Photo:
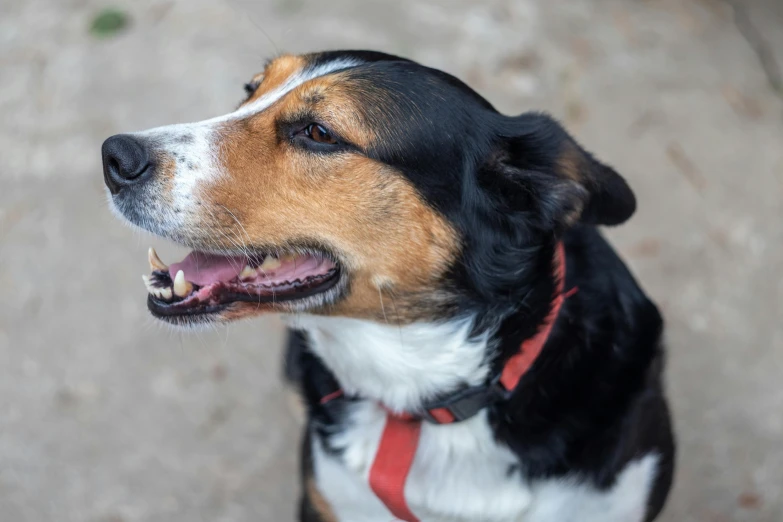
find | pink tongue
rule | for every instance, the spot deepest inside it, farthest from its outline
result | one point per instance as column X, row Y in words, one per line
column 204, row 269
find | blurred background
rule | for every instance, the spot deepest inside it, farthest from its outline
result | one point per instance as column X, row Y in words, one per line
column 106, row 416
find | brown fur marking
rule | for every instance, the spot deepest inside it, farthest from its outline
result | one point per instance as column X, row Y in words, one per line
column 571, row 162
column 393, row 245
column 276, row 73
column 318, row 502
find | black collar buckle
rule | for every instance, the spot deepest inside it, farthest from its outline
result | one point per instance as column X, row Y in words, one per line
column 465, row 403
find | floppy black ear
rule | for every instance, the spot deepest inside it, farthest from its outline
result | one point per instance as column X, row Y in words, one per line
column 566, row 183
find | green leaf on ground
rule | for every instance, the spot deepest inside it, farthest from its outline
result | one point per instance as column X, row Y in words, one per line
column 108, row 22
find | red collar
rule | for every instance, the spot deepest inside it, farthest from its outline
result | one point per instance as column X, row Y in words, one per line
column 400, row 437
column 520, row 362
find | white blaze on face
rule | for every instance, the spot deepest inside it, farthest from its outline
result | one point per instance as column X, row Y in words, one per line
column 193, row 145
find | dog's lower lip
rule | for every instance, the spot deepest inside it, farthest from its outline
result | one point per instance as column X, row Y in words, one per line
column 160, row 308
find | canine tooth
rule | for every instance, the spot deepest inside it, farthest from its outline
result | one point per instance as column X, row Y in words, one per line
column 165, row 293
column 247, row 272
column 270, row 263
column 181, row 286
column 155, row 262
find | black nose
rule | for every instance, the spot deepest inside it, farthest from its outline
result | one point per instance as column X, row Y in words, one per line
column 125, row 161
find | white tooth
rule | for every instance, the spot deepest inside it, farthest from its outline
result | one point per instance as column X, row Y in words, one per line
column 247, row 272
column 155, row 292
column 165, row 293
column 181, row 287
column 155, row 262
column 270, row 263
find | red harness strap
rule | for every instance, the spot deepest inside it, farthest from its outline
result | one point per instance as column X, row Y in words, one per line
column 392, row 463
column 400, row 437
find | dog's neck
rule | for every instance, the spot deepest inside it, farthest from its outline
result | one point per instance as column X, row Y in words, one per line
column 400, row 367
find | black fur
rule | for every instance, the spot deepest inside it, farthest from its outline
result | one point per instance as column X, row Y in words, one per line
column 513, row 187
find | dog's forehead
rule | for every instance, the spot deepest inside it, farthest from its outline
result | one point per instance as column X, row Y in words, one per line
column 285, row 73
column 369, row 97
column 368, row 74
column 279, row 69
column 298, row 69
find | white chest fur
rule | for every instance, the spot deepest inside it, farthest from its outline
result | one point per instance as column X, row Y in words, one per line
column 460, row 473
column 398, row 366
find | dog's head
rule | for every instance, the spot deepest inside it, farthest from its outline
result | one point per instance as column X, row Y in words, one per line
column 357, row 184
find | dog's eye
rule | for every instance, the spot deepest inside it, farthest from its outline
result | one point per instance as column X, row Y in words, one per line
column 251, row 87
column 319, row 134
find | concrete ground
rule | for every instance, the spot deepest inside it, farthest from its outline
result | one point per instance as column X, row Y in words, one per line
column 106, row 416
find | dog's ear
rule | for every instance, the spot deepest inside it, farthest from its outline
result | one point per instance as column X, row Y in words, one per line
column 542, row 166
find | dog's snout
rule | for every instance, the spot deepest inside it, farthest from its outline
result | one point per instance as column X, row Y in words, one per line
column 125, row 161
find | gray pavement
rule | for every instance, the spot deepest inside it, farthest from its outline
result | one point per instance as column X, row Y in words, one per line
column 106, row 416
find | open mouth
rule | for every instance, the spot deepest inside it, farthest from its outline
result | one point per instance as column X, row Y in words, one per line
column 205, row 283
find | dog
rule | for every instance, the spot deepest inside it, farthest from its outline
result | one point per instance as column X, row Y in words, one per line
column 469, row 346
